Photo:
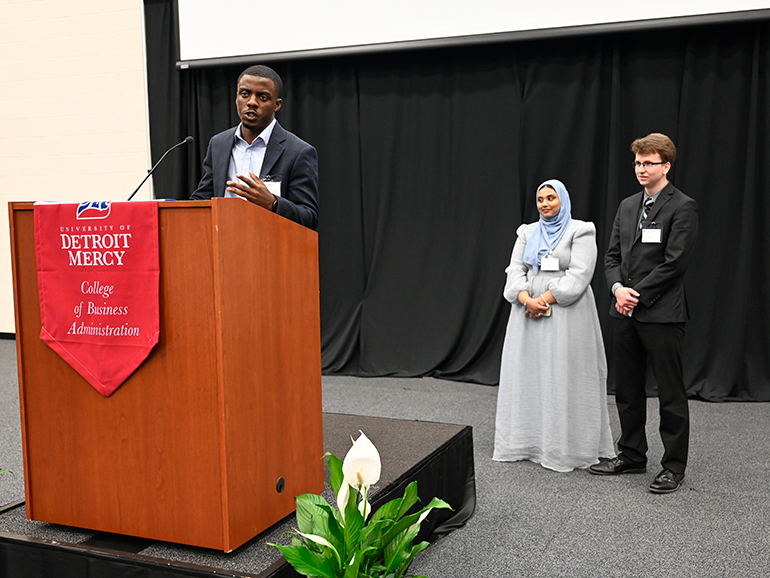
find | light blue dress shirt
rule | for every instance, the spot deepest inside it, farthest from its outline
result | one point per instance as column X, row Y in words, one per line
column 245, row 157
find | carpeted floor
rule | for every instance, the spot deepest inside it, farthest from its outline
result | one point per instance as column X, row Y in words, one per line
column 532, row 522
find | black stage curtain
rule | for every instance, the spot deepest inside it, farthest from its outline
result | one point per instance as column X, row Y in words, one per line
column 429, row 161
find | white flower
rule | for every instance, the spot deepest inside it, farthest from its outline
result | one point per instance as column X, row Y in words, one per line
column 317, row 539
column 421, row 518
column 365, row 508
column 321, row 540
column 361, row 466
column 343, row 497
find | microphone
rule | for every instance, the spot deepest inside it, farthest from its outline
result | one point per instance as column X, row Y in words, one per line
column 188, row 140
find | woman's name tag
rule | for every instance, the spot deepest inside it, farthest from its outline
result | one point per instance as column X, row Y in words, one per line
column 549, row 263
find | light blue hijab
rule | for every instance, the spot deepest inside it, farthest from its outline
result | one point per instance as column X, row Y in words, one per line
column 549, row 231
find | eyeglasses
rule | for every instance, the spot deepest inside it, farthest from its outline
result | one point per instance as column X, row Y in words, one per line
column 647, row 164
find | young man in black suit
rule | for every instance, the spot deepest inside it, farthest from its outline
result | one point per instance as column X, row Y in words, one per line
column 652, row 240
column 239, row 160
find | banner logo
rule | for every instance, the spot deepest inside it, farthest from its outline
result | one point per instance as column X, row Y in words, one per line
column 94, row 210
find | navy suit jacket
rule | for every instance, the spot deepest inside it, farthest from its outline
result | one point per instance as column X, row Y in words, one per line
column 654, row 270
column 286, row 155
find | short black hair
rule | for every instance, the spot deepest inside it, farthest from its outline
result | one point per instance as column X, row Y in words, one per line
column 263, row 71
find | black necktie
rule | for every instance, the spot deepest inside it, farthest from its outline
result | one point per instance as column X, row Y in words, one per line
column 646, row 210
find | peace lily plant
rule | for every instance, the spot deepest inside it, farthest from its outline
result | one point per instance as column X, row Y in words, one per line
column 339, row 542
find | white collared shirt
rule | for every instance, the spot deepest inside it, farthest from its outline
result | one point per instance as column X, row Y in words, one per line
column 245, row 157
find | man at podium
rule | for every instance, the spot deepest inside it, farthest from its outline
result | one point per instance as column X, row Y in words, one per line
column 259, row 160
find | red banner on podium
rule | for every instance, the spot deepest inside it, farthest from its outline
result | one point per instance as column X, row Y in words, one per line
column 98, row 277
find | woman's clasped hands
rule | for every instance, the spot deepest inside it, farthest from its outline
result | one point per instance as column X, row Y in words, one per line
column 534, row 308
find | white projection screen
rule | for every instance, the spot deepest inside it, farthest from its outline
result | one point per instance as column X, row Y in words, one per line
column 211, row 32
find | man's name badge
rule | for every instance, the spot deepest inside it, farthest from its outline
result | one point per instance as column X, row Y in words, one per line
column 274, row 187
column 549, row 263
column 651, row 235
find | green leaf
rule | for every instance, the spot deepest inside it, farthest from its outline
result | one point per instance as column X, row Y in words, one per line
column 310, row 509
column 395, row 531
column 335, row 473
column 373, row 532
column 419, row 548
column 351, row 570
column 331, row 528
column 388, row 510
column 376, row 570
column 308, row 563
column 337, row 515
column 405, row 566
column 311, row 500
column 304, row 543
column 399, row 506
column 367, row 557
column 410, row 499
column 352, row 532
column 407, row 521
column 354, row 522
column 439, row 504
column 316, row 516
column 397, row 551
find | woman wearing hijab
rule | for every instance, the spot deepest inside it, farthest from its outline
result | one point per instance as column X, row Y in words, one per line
column 552, row 401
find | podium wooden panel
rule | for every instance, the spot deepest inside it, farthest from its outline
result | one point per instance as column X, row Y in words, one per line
column 191, row 447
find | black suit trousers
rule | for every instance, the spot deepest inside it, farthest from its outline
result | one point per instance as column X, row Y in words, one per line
column 660, row 344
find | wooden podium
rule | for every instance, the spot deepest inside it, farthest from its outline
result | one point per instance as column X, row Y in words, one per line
column 210, row 439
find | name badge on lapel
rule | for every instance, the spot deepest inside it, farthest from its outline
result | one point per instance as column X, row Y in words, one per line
column 651, row 235
column 273, row 184
column 549, row 262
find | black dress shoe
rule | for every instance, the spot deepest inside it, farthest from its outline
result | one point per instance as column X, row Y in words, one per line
column 666, row 482
column 617, row 466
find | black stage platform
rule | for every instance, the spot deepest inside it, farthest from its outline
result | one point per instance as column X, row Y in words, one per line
column 438, row 456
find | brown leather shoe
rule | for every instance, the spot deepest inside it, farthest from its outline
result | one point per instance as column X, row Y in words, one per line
column 666, row 482
column 617, row 466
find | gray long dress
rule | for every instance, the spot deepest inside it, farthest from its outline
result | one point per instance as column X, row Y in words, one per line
column 552, row 401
